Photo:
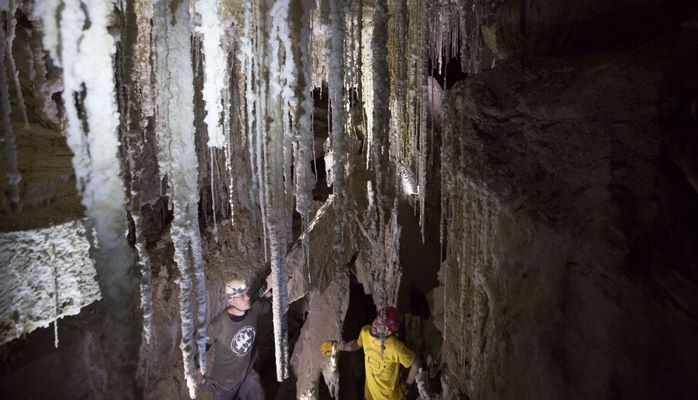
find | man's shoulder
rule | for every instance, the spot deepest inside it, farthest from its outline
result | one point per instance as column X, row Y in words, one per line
column 223, row 313
column 262, row 306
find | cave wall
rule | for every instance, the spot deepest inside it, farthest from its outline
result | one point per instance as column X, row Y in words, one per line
column 557, row 281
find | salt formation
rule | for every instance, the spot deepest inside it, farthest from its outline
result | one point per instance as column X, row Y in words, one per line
column 469, row 218
column 12, row 173
column 276, row 200
column 11, row 23
column 33, row 283
column 177, row 159
column 86, row 54
column 422, row 380
column 303, row 127
column 215, row 77
column 135, row 141
column 336, row 89
column 375, row 57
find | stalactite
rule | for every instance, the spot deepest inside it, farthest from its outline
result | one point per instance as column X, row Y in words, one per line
column 275, row 196
column 146, row 286
column 288, row 70
column 399, row 138
column 228, row 149
column 422, row 381
column 215, row 76
column 214, row 211
column 10, row 148
column 367, row 55
column 249, row 65
column 176, row 157
column 56, row 302
column 86, row 53
column 142, row 65
column 381, row 111
column 392, row 263
column 135, row 141
column 303, row 126
column 336, row 89
column 261, row 28
column 11, row 23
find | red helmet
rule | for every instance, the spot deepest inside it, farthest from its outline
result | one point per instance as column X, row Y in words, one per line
column 392, row 319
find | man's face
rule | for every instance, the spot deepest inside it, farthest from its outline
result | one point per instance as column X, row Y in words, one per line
column 240, row 301
column 379, row 329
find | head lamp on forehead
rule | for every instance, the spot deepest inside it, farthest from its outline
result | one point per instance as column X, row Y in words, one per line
column 235, row 287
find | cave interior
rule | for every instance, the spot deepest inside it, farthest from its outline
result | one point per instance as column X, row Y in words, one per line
column 518, row 177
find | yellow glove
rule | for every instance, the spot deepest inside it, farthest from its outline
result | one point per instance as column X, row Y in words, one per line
column 326, row 347
column 403, row 391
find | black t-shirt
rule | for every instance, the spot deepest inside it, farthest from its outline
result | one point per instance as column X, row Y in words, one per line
column 234, row 344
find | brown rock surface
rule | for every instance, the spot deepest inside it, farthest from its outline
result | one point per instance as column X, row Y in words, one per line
column 552, row 168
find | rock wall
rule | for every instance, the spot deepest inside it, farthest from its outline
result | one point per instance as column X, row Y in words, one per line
column 553, row 199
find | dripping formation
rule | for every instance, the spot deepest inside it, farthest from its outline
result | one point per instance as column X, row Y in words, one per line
column 374, row 66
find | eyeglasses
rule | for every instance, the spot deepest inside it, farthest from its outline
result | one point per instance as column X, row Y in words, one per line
column 237, row 296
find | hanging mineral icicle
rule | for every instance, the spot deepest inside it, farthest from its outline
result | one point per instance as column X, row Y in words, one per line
column 336, row 89
column 276, row 199
column 135, row 141
column 10, row 150
column 86, row 55
column 303, row 128
column 9, row 41
column 211, row 30
column 177, row 159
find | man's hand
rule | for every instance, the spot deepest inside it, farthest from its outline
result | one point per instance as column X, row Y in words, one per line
column 200, row 378
column 406, row 389
column 326, row 347
column 403, row 391
column 264, row 292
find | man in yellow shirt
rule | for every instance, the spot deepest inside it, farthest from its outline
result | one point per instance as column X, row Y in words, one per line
column 382, row 364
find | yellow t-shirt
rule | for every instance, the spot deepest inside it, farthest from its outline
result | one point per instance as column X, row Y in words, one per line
column 382, row 372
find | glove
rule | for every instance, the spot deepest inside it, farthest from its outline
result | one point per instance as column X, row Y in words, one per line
column 403, row 391
column 326, row 347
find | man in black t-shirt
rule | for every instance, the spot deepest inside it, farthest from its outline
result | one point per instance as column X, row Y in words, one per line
column 233, row 333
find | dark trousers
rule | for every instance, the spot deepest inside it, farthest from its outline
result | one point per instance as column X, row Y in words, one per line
column 249, row 389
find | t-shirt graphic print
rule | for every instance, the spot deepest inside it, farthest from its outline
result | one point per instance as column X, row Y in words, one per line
column 242, row 341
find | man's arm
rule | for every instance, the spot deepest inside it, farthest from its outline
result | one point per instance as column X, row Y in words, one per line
column 326, row 347
column 349, row 346
column 414, row 370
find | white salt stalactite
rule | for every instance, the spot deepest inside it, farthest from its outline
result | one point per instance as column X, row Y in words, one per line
column 337, row 105
column 146, row 286
column 212, row 157
column 367, row 55
column 56, row 302
column 10, row 148
column 287, row 79
column 86, row 55
column 142, row 64
column 247, row 56
column 304, row 179
column 9, row 45
column 228, row 149
column 392, row 251
column 336, row 88
column 215, row 76
column 381, row 110
column 145, row 90
column 275, row 196
column 261, row 29
column 177, row 159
